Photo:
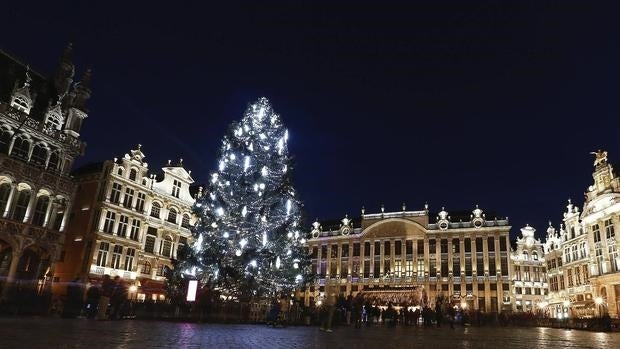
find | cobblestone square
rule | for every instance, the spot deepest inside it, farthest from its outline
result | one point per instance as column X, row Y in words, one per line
column 58, row 333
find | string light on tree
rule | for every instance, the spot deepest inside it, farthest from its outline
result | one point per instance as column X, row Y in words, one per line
column 253, row 197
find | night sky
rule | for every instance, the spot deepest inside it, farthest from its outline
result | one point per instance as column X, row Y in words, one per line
column 457, row 104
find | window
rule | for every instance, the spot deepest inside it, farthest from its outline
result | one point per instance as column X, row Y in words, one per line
column 577, row 276
column 21, row 147
column 409, row 247
column 596, row 232
column 397, row 268
column 609, row 229
column 185, row 224
column 613, row 257
column 518, row 273
column 140, row 202
column 456, row 246
column 569, row 276
column 39, row 155
column 133, row 174
column 366, row 249
column 503, row 246
column 377, row 248
column 575, row 255
column 166, row 248
column 534, row 256
column 567, row 255
column 116, row 256
column 323, row 251
column 467, row 245
column 5, row 191
column 345, row 250
column 398, row 248
column 586, row 275
column 127, row 201
column 526, row 274
column 366, row 269
column 172, row 215
column 468, row 269
column 149, row 244
column 432, row 246
column 526, row 255
column 387, row 249
column 504, row 265
column 492, row 268
column 102, row 255
column 377, row 271
column 356, row 249
column 582, row 250
column 409, row 269
column 479, row 266
column 120, row 171
column 444, row 245
column 162, row 270
column 122, row 226
column 176, row 188
column 40, row 210
column 129, row 257
column 52, row 164
column 491, row 244
column 444, row 267
column 5, row 139
column 146, row 268
column 108, row 225
column 420, row 247
column 334, row 251
column 420, row 267
column 433, row 267
column 21, row 204
column 456, row 267
column 155, row 208
column 478, row 244
column 135, row 230
column 115, row 194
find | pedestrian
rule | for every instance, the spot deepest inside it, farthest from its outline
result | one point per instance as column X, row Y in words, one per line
column 104, row 298
column 330, row 304
column 357, row 306
column 92, row 300
column 118, row 298
column 73, row 303
column 348, row 305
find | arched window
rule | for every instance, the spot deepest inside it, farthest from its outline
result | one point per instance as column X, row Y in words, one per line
column 54, row 161
column 5, row 191
column 146, row 268
column 166, row 248
column 21, row 204
column 20, row 103
column 534, row 256
column 40, row 210
column 133, row 174
column 144, row 181
column 119, row 171
column 21, row 147
column 54, row 119
column 172, row 215
column 185, row 221
column 525, row 255
column 39, row 155
column 155, row 208
column 5, row 140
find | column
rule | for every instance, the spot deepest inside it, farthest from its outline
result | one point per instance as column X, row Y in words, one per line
column 65, row 217
column 381, row 258
column 9, row 202
column 372, row 259
column 102, row 219
column 31, row 203
column 52, row 219
column 318, row 259
column 339, row 259
column 362, row 252
column 48, row 212
column 328, row 261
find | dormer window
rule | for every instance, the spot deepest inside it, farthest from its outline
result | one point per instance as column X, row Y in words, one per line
column 19, row 102
column 119, row 171
column 133, row 174
column 176, row 188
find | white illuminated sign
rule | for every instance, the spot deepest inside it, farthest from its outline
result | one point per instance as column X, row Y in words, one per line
column 191, row 290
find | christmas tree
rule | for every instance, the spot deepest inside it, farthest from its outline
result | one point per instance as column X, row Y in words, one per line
column 248, row 238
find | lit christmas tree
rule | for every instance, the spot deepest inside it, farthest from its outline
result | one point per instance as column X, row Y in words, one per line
column 248, row 239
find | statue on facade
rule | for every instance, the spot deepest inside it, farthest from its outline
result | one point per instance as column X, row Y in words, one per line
column 600, row 157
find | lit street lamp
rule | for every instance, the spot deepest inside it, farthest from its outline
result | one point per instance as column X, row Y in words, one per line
column 598, row 301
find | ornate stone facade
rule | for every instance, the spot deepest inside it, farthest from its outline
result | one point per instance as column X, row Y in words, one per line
column 583, row 259
column 40, row 121
column 529, row 276
column 128, row 222
column 404, row 258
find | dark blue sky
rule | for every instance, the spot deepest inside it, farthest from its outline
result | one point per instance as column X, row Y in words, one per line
column 454, row 103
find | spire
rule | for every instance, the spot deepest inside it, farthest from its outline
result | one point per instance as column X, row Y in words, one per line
column 21, row 98
column 64, row 73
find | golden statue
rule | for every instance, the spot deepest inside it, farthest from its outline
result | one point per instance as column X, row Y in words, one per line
column 600, row 157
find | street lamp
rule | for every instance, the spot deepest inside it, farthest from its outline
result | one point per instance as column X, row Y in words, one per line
column 598, row 301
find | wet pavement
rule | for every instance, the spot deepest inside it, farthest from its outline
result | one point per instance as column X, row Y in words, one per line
column 81, row 333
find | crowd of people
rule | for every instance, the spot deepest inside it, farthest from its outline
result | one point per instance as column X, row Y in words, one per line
column 104, row 300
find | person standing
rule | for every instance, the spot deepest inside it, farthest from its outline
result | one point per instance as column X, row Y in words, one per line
column 356, row 309
column 330, row 304
column 104, row 299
